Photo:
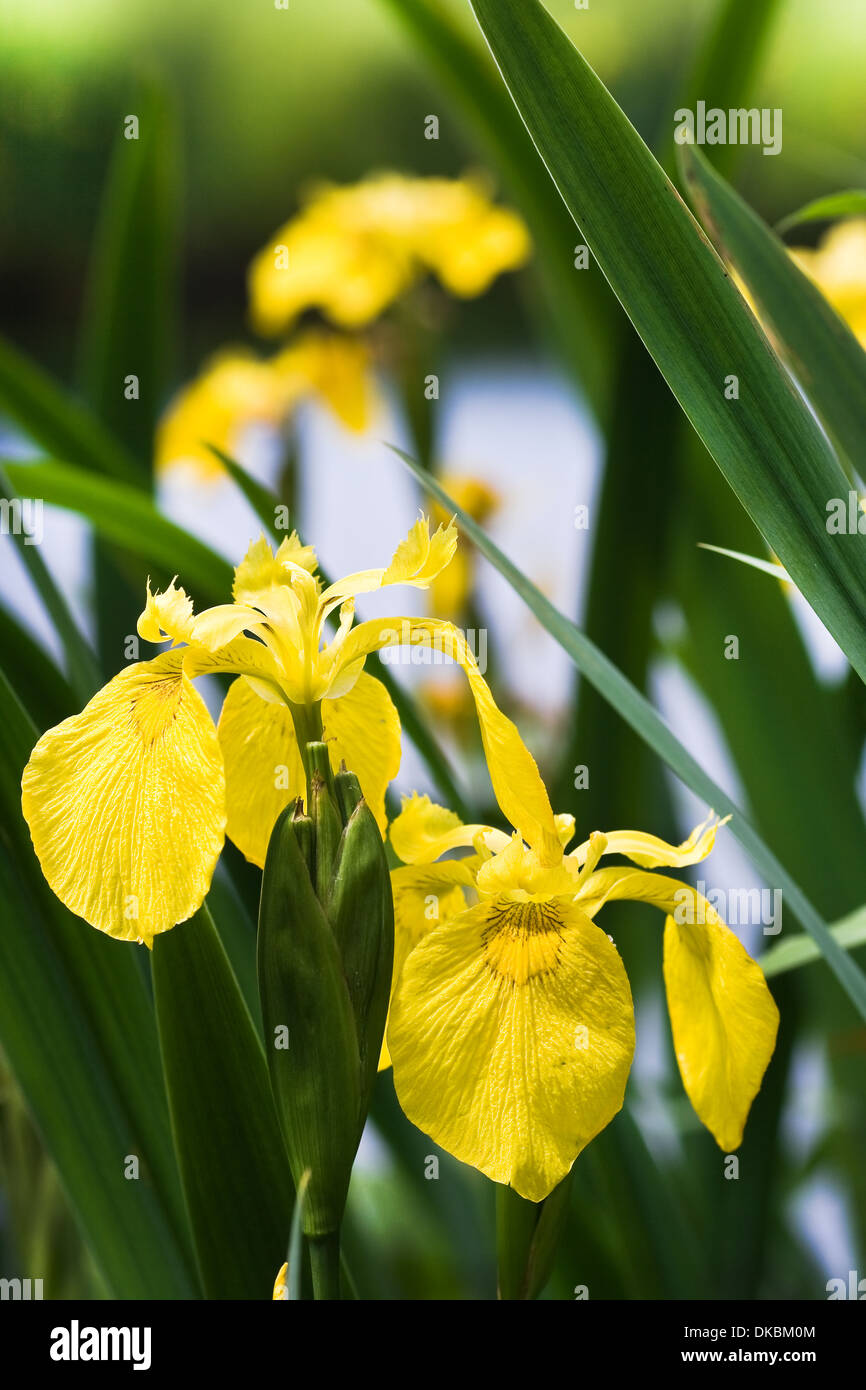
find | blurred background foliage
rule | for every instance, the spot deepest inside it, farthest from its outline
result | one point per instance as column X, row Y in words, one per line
column 266, row 104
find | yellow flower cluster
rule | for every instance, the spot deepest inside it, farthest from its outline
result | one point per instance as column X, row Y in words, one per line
column 352, row 251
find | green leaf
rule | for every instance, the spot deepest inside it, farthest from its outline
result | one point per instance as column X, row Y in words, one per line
column 766, row 566
column 851, row 203
column 77, row 1026
column 636, row 710
column 127, row 516
column 81, row 665
column 56, row 420
column 577, row 303
column 795, row 951
column 129, row 313
column 822, row 351
column 42, row 689
column 232, row 1162
column 691, row 318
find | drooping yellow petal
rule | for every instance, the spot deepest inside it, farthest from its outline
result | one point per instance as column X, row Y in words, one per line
column 362, row 728
column 423, row 831
column 424, row 897
column 724, row 1022
column 517, row 784
column 650, row 852
column 126, row 802
column 512, row 1035
column 263, row 768
column 723, row 1016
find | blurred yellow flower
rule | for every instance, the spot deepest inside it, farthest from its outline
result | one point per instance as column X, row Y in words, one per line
column 281, row 1287
column 237, row 389
column 352, row 250
column 512, row 1027
column 452, row 589
column 838, row 268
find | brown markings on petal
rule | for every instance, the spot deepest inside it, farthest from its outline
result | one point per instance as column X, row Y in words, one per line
column 522, row 940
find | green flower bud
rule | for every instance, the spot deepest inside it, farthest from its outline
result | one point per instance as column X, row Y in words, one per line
column 325, row 956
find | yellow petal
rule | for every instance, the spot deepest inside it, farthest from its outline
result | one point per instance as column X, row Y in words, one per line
column 512, row 1035
column 723, row 1016
column 424, row 897
column 515, row 777
column 126, row 803
column 363, row 729
column 281, row 1288
column 724, row 1022
column 167, row 615
column 263, row 768
column 423, row 831
column 650, row 852
column 421, row 557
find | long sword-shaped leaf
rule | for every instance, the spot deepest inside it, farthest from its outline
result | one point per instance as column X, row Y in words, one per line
column 77, row 1026
column 691, row 318
column 129, row 314
column 81, row 666
column 800, row 950
column 56, row 420
column 636, row 710
column 233, row 1165
column 126, row 515
column 822, row 351
column 577, row 302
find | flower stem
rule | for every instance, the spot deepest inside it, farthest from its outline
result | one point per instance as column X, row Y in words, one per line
column 325, row 1266
column 516, row 1220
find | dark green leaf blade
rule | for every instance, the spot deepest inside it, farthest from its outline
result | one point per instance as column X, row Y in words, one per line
column 77, row 1026
column 691, row 318
column 128, row 326
column 233, row 1165
column 127, row 516
column 55, row 420
column 822, row 351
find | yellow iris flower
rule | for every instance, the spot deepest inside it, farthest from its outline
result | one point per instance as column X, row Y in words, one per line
column 128, row 802
column 237, row 389
column 512, row 1026
column 353, row 250
column 838, row 268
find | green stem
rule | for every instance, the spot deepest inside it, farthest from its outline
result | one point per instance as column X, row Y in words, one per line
column 307, row 720
column 516, row 1219
column 325, row 1266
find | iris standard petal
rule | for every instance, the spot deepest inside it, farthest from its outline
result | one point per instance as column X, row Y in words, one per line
column 512, row 1035
column 126, row 802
